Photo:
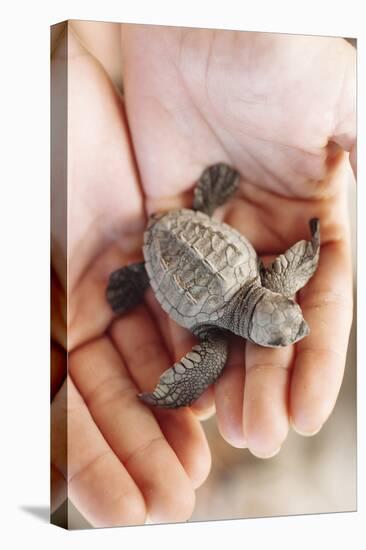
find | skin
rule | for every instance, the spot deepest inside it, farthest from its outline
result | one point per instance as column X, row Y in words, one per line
column 279, row 108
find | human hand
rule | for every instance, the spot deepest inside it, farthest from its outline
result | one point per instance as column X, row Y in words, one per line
column 176, row 133
column 124, row 463
column 280, row 109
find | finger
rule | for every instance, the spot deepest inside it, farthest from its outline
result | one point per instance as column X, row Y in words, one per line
column 131, row 430
column 104, row 213
column 320, row 357
column 229, row 395
column 98, row 484
column 103, row 42
column 265, row 413
column 204, row 408
column 143, row 351
column 100, row 158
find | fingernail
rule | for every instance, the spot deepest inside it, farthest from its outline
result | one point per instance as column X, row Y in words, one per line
column 205, row 414
column 307, row 433
column 238, row 443
column 264, row 455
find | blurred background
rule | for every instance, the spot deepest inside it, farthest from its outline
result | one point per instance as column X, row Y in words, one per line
column 309, row 475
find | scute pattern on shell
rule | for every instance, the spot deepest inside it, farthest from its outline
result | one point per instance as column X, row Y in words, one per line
column 196, row 264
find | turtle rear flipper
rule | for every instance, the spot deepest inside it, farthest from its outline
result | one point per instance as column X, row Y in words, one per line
column 291, row 271
column 215, row 186
column 183, row 383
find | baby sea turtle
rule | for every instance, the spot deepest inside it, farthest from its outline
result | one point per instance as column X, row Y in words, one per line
column 208, row 278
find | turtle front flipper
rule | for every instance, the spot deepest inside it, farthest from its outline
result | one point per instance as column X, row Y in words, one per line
column 185, row 381
column 215, row 186
column 291, row 271
column 126, row 287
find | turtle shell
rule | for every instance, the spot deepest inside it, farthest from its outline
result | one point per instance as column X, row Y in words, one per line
column 196, row 264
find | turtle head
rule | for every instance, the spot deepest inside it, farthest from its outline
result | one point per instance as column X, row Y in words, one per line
column 277, row 321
